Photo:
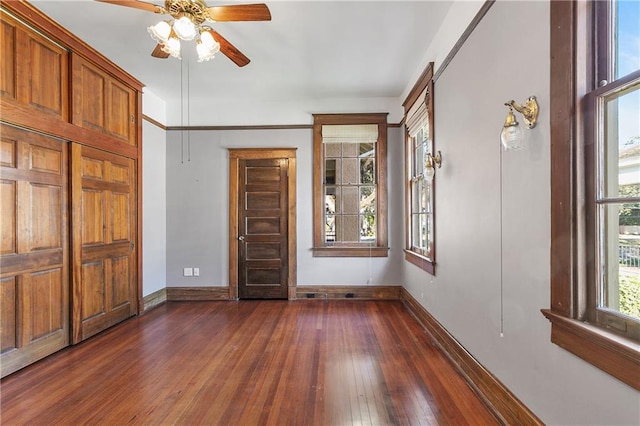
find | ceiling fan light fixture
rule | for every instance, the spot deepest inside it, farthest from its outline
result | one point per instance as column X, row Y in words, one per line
column 160, row 32
column 185, row 28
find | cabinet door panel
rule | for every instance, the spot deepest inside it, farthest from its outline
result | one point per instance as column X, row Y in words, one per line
column 8, row 310
column 121, row 120
column 8, row 200
column 33, row 70
column 8, row 44
column 93, row 291
column 46, row 87
column 34, row 277
column 93, row 211
column 103, row 203
column 45, row 222
column 89, row 89
column 45, row 289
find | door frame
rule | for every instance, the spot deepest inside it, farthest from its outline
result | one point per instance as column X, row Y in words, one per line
column 235, row 155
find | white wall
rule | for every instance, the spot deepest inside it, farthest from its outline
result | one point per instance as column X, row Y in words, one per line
column 197, row 210
column 493, row 264
column 154, row 196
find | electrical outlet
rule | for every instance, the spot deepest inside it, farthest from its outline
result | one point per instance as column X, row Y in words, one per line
column 196, row 272
column 187, row 272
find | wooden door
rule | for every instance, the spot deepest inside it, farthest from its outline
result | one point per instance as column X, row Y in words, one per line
column 104, row 284
column 34, row 275
column 262, row 219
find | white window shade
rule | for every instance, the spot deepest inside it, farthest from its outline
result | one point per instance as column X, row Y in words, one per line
column 350, row 133
column 418, row 115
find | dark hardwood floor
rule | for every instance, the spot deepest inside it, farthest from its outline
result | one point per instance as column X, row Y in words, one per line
column 249, row 363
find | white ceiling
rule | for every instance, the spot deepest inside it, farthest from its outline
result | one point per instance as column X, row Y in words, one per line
column 322, row 55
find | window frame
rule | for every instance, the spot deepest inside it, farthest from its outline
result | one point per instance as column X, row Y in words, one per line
column 571, row 79
column 352, row 249
column 425, row 261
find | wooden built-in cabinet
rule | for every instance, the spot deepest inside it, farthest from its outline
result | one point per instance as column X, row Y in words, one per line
column 102, row 103
column 70, row 152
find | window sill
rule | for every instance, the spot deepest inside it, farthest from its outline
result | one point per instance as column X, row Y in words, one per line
column 420, row 261
column 616, row 355
column 341, row 251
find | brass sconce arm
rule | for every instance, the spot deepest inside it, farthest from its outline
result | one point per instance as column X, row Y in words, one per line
column 433, row 160
column 529, row 110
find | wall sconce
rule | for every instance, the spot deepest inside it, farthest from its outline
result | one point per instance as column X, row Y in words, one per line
column 511, row 136
column 430, row 163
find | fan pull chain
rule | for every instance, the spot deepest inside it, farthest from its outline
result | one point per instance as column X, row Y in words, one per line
column 181, row 116
column 188, row 112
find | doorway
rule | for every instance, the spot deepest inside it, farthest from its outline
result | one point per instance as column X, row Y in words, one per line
column 262, row 223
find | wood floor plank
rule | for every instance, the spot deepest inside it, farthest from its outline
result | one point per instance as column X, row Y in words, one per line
column 249, row 363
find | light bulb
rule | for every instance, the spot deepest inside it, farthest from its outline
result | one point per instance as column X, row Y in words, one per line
column 185, row 29
column 160, row 32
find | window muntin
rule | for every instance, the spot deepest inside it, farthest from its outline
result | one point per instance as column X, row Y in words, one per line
column 350, row 192
column 420, row 192
column 350, row 185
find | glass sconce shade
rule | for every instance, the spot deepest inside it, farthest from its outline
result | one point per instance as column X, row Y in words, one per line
column 429, row 172
column 511, row 135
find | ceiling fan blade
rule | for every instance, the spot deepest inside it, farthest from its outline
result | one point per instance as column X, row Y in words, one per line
column 142, row 5
column 240, row 12
column 229, row 50
column 159, row 53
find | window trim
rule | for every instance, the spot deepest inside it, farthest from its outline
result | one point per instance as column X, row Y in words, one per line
column 571, row 42
column 320, row 248
column 425, row 81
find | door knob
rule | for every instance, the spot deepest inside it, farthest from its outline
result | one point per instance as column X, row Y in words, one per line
column 241, row 238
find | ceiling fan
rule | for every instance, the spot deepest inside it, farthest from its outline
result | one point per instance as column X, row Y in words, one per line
column 189, row 17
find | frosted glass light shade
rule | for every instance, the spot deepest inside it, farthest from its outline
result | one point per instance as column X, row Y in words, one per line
column 511, row 137
column 185, row 29
column 172, row 47
column 204, row 53
column 429, row 172
column 207, row 39
column 160, row 32
column 207, row 47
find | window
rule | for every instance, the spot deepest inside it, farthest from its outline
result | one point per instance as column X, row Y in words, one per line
column 419, row 185
column 350, row 194
column 613, row 131
column 595, row 158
